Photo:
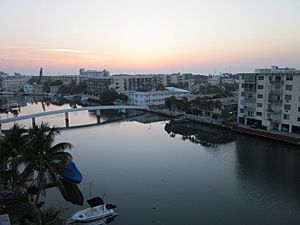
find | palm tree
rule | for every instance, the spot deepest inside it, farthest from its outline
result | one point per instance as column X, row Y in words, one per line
column 44, row 159
column 49, row 216
column 12, row 145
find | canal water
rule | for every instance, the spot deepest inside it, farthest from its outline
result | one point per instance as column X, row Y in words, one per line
column 157, row 172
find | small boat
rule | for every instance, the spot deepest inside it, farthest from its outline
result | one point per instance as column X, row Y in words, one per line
column 181, row 118
column 71, row 173
column 98, row 210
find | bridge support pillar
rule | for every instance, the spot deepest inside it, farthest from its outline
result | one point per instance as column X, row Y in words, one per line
column 33, row 122
column 279, row 126
column 98, row 113
column 67, row 119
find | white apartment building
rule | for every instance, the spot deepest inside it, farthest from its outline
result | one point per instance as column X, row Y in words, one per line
column 152, row 98
column 13, row 83
column 28, row 88
column 228, row 80
column 214, row 80
column 270, row 99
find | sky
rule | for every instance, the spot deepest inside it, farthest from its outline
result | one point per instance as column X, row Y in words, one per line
column 136, row 36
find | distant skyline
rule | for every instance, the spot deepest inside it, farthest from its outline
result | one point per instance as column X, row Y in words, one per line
column 131, row 36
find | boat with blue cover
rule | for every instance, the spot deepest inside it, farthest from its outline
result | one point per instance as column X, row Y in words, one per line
column 71, row 173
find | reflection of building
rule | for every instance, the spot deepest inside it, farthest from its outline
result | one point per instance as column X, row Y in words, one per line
column 147, row 118
column 270, row 98
column 269, row 166
column 150, row 98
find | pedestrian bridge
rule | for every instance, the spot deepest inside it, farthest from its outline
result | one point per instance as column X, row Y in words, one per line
column 67, row 111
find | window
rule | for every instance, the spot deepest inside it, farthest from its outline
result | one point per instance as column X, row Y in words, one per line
column 243, row 93
column 242, row 102
column 250, row 113
column 288, row 87
column 260, row 87
column 261, row 78
column 287, row 107
column 242, row 110
column 286, row 116
column 298, row 119
column 288, row 97
column 298, row 109
column 289, row 77
column 259, row 105
column 259, row 113
column 260, row 96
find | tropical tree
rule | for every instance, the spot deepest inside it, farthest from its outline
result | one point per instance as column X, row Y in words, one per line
column 12, row 145
column 44, row 159
column 49, row 216
column 108, row 97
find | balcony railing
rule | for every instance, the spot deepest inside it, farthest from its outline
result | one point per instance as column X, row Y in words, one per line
column 275, row 101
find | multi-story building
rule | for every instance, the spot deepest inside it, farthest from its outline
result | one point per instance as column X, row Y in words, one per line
column 93, row 73
column 270, row 98
column 144, row 81
column 13, row 83
column 152, row 98
column 98, row 85
column 214, row 80
column 66, row 79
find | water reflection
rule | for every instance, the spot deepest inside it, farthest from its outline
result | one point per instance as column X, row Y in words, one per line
column 269, row 166
column 208, row 136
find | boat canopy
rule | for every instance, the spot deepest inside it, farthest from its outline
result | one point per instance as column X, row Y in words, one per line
column 95, row 201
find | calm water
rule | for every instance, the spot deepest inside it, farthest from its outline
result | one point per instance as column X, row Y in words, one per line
column 159, row 173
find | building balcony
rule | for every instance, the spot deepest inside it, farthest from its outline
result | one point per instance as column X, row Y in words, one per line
column 275, row 101
column 274, row 112
column 276, row 82
column 276, row 92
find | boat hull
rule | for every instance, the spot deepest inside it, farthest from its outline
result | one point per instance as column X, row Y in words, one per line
column 94, row 213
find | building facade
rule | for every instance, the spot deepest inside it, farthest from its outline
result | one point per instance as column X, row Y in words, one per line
column 66, row 79
column 270, row 99
column 153, row 98
column 13, row 83
column 93, row 73
column 126, row 82
column 96, row 86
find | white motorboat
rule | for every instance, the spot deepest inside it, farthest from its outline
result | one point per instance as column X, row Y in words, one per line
column 98, row 210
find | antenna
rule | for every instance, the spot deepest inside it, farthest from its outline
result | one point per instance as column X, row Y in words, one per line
column 91, row 189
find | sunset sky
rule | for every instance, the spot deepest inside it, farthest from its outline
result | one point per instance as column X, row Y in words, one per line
column 136, row 36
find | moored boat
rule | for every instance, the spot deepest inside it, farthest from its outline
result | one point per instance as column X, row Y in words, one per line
column 71, row 173
column 98, row 210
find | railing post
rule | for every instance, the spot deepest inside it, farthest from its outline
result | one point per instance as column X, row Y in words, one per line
column 67, row 119
column 33, row 122
column 98, row 113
